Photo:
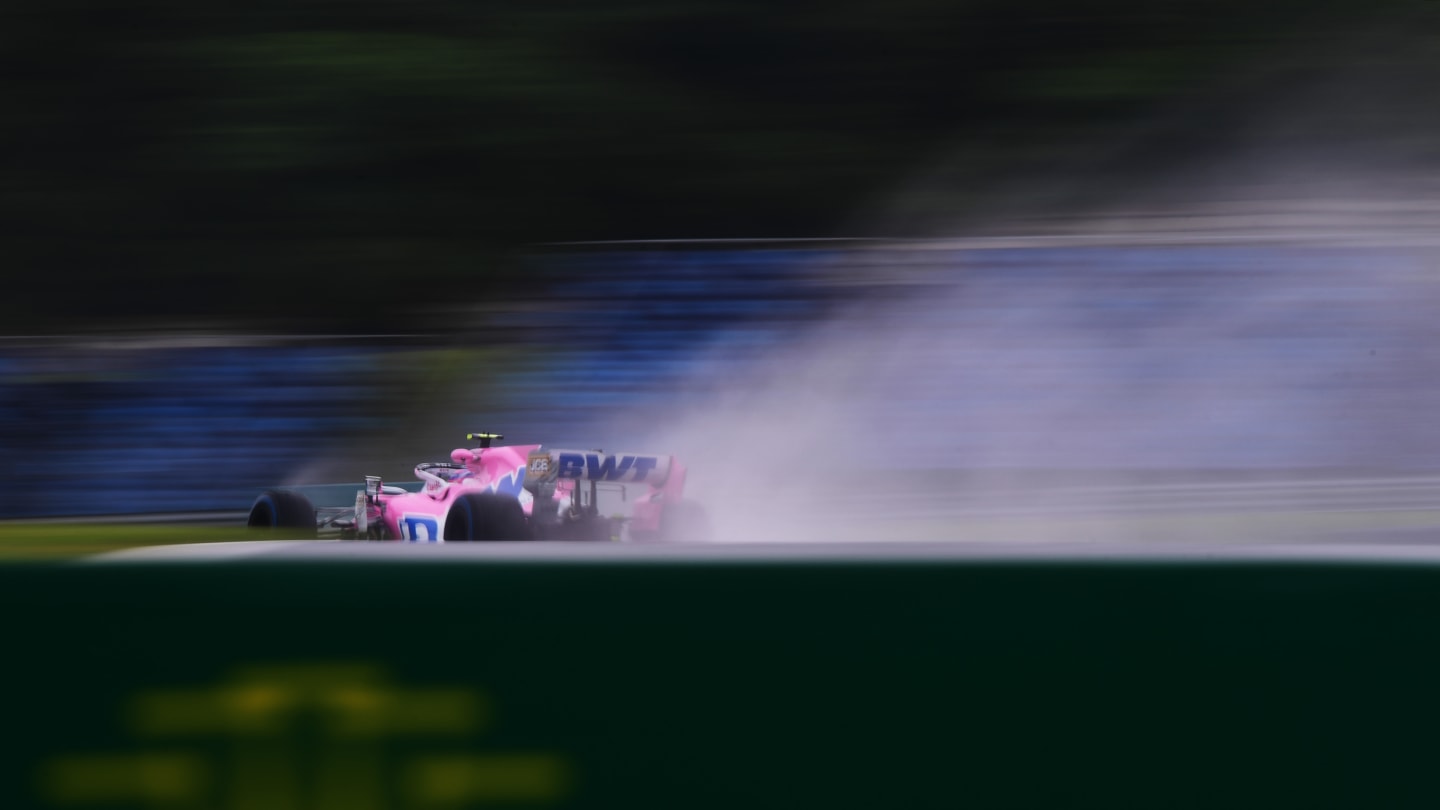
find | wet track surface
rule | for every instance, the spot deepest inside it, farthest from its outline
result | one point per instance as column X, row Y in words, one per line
column 1382, row 518
column 1403, row 509
column 1419, row 548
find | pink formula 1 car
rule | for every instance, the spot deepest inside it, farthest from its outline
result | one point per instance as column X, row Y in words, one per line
column 517, row 492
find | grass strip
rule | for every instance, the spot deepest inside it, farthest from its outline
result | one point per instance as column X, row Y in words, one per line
column 52, row 541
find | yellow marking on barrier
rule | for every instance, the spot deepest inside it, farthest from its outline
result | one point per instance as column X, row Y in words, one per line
column 357, row 700
column 188, row 713
column 257, row 699
column 307, row 737
column 154, row 778
column 349, row 701
column 409, row 712
column 459, row 780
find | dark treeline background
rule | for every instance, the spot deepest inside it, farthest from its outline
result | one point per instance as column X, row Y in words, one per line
column 268, row 163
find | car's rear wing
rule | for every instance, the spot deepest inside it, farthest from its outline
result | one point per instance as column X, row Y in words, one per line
column 663, row 478
column 593, row 465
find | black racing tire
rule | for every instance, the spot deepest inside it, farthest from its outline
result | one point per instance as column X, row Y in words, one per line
column 681, row 522
column 278, row 509
column 483, row 517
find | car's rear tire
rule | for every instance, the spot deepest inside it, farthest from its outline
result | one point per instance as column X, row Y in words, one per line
column 484, row 517
column 278, row 509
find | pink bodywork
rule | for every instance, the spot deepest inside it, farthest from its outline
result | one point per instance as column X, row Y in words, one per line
column 420, row 516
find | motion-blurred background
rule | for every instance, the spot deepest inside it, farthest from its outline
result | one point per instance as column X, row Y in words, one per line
column 1025, row 272
column 264, row 243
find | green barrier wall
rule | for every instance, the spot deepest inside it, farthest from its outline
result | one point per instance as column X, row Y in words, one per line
column 367, row 686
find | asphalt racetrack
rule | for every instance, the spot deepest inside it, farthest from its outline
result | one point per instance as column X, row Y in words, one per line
column 1393, row 517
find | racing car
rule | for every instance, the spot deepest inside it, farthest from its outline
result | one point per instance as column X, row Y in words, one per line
column 498, row 493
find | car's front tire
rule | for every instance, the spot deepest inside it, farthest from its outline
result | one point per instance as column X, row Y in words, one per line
column 485, row 517
column 278, row 509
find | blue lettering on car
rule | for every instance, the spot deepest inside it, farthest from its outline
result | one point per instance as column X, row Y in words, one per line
column 613, row 468
column 643, row 466
column 412, row 527
column 596, row 467
column 572, row 465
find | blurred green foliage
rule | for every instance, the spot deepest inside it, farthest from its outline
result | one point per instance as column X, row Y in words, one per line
column 268, row 162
